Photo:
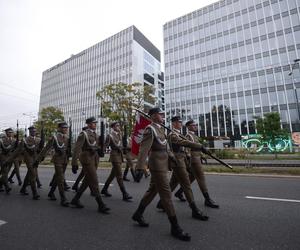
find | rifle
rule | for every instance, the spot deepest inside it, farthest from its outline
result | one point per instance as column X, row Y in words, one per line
column 69, row 152
column 17, row 137
column 42, row 142
column 125, row 136
column 182, row 136
column 101, row 137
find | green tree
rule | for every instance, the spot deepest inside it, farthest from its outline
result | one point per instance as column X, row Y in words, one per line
column 269, row 128
column 49, row 117
column 118, row 101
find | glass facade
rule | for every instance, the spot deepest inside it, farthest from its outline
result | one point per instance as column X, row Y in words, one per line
column 125, row 57
column 229, row 62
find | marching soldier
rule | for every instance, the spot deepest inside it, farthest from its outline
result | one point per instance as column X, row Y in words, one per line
column 7, row 145
column 86, row 150
column 59, row 142
column 196, row 169
column 114, row 140
column 129, row 162
column 180, row 174
column 16, row 171
column 154, row 142
column 29, row 147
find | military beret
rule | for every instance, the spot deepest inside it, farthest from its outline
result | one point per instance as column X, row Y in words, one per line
column 62, row 125
column 9, row 130
column 154, row 111
column 190, row 122
column 84, row 128
column 113, row 124
column 31, row 128
column 91, row 120
column 176, row 119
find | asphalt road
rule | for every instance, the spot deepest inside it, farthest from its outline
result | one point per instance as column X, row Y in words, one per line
column 240, row 223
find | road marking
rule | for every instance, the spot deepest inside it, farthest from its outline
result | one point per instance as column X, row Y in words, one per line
column 2, row 222
column 100, row 184
column 270, row 199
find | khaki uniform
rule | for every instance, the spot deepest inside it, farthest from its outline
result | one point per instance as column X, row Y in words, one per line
column 85, row 150
column 196, row 169
column 59, row 142
column 180, row 173
column 128, row 156
column 7, row 146
column 16, row 171
column 154, row 142
column 114, row 141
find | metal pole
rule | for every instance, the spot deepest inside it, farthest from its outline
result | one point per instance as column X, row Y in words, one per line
column 296, row 61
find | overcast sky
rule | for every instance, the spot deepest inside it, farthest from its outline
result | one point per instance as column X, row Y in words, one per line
column 37, row 34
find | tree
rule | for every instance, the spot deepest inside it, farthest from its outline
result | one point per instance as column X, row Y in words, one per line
column 269, row 128
column 118, row 101
column 49, row 117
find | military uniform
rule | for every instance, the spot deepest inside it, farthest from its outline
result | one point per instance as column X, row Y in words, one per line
column 59, row 142
column 154, row 142
column 129, row 161
column 196, row 171
column 86, row 150
column 7, row 146
column 114, row 141
column 16, row 171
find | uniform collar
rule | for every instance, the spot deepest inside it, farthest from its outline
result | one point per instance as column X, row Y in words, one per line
column 157, row 124
column 191, row 132
column 176, row 130
column 91, row 130
column 115, row 132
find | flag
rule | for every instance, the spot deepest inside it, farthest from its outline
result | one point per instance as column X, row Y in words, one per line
column 137, row 136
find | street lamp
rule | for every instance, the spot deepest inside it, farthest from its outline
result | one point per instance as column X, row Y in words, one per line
column 31, row 116
column 296, row 62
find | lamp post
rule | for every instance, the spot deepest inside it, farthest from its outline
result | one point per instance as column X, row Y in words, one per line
column 296, row 62
column 31, row 116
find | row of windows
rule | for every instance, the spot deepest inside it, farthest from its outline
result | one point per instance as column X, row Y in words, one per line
column 231, row 30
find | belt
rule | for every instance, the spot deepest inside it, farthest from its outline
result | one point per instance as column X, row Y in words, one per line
column 196, row 150
column 159, row 150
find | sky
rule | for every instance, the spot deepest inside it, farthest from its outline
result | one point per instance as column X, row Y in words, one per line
column 38, row 34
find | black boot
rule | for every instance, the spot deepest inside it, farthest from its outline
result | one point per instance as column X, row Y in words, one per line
column 39, row 185
column 66, row 186
column 10, row 180
column 36, row 196
column 104, row 191
column 76, row 202
column 102, row 208
column 23, row 191
column 176, row 231
column 63, row 200
column 138, row 216
column 7, row 189
column 1, row 188
column 133, row 174
column 197, row 214
column 126, row 196
column 160, row 206
column 51, row 195
column 209, row 202
column 75, row 187
column 125, row 175
column 179, row 195
column 20, row 183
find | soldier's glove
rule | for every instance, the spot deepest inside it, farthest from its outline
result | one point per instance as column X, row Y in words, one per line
column 35, row 164
column 138, row 174
column 74, row 169
column 205, row 151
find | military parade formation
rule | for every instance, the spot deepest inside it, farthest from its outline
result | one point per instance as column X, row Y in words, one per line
column 161, row 149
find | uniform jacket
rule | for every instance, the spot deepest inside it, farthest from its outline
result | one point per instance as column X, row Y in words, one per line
column 7, row 146
column 114, row 141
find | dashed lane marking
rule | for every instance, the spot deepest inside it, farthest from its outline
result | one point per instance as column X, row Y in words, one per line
column 2, row 222
column 100, row 184
column 271, row 199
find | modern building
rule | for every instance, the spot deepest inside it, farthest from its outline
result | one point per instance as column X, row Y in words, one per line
column 127, row 56
column 234, row 60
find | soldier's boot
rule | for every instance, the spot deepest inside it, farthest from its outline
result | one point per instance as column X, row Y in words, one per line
column 102, row 208
column 197, row 214
column 23, row 190
column 63, row 200
column 75, row 185
column 19, row 181
column 138, row 216
column 35, row 195
column 209, row 202
column 176, row 230
column 125, row 175
column 39, row 185
column 66, row 186
column 104, row 190
column 1, row 188
column 76, row 202
column 179, row 195
column 160, row 206
column 7, row 188
column 133, row 174
column 51, row 194
column 10, row 180
column 126, row 196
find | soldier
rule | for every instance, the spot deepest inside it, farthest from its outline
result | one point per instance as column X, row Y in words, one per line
column 86, row 150
column 114, row 140
column 154, row 142
column 16, row 171
column 7, row 145
column 29, row 148
column 59, row 142
column 196, row 169
column 129, row 162
column 180, row 174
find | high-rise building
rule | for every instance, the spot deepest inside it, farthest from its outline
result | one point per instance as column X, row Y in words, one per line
column 127, row 56
column 232, row 61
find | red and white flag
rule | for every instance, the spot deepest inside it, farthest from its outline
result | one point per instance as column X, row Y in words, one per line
column 137, row 136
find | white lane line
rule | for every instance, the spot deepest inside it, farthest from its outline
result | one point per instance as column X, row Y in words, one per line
column 270, row 199
column 100, row 184
column 2, row 222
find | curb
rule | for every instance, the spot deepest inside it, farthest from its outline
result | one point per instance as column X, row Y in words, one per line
column 255, row 175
